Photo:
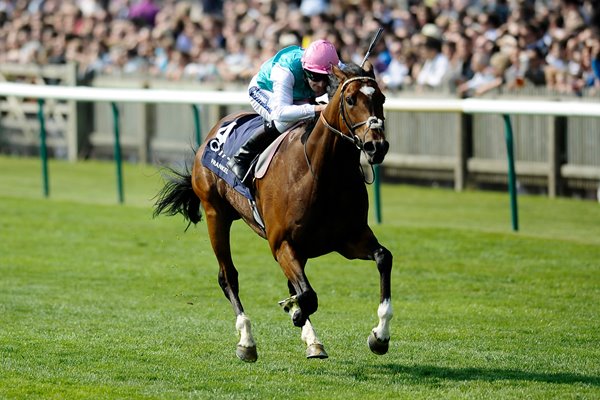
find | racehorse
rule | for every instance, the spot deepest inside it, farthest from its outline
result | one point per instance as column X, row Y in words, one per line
column 313, row 201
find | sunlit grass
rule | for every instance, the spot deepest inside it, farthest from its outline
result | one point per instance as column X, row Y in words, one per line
column 99, row 300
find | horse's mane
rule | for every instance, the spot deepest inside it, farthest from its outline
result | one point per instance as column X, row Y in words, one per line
column 350, row 69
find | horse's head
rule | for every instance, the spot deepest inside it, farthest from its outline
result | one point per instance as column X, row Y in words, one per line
column 361, row 117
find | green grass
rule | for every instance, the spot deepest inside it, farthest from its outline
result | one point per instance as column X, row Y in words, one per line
column 100, row 301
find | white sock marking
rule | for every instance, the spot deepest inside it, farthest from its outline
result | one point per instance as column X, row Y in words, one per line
column 309, row 336
column 242, row 324
column 385, row 314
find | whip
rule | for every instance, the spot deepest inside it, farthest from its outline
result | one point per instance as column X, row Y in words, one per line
column 372, row 45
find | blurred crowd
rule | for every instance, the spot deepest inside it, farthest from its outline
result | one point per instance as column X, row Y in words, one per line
column 467, row 47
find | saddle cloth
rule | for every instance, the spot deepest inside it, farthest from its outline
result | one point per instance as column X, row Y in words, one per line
column 230, row 136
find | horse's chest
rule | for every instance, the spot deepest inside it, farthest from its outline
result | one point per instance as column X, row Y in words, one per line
column 342, row 206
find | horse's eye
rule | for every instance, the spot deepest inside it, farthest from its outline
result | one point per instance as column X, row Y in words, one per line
column 350, row 100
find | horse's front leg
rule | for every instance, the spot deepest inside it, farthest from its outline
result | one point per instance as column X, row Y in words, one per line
column 379, row 339
column 314, row 347
column 303, row 301
column 368, row 248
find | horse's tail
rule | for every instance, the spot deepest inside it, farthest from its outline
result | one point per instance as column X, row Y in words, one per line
column 178, row 197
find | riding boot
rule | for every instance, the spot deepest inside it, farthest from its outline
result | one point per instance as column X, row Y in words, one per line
column 240, row 162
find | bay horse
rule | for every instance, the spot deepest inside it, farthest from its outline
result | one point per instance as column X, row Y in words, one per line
column 313, row 201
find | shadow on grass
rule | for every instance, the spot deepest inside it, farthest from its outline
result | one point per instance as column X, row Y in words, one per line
column 489, row 375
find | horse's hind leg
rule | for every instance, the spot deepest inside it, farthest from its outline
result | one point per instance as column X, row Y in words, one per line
column 219, row 230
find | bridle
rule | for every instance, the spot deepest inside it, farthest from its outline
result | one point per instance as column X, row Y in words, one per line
column 372, row 122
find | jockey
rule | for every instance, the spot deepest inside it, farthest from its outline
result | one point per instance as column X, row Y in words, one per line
column 283, row 93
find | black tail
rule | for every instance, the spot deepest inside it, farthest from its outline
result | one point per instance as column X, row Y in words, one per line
column 178, row 197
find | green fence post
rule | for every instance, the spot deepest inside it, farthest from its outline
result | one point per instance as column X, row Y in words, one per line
column 377, row 193
column 43, row 148
column 196, row 112
column 118, row 160
column 512, row 186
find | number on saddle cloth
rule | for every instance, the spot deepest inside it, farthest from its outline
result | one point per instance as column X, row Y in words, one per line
column 229, row 138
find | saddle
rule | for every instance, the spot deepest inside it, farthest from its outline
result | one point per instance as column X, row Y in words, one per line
column 230, row 136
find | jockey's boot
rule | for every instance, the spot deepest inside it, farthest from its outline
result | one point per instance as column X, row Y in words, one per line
column 240, row 162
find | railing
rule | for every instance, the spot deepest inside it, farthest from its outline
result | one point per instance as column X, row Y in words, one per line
column 113, row 96
column 15, row 113
column 468, row 107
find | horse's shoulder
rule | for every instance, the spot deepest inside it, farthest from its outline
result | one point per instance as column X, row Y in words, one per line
column 299, row 133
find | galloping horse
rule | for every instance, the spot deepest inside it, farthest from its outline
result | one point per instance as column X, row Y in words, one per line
column 313, row 201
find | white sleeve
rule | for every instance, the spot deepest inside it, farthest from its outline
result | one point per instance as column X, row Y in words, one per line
column 282, row 103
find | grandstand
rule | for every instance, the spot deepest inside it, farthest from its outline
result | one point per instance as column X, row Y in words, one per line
column 492, row 49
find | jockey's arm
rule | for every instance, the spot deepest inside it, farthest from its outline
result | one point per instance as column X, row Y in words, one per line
column 282, row 103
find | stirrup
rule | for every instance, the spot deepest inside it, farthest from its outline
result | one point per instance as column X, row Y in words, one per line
column 256, row 214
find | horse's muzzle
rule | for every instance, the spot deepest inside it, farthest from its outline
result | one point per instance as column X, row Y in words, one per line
column 376, row 150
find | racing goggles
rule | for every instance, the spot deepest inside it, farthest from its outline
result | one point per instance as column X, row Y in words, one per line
column 313, row 76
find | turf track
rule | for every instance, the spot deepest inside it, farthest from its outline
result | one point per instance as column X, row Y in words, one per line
column 99, row 300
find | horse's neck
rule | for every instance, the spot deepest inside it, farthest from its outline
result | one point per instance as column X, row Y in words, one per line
column 331, row 152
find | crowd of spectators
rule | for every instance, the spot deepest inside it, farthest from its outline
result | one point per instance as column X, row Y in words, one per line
column 467, row 47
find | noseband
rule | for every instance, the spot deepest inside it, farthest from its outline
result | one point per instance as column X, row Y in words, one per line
column 372, row 122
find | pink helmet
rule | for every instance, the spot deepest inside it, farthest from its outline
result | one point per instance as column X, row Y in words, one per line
column 319, row 57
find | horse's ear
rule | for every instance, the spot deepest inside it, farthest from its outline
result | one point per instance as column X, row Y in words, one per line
column 338, row 72
column 368, row 67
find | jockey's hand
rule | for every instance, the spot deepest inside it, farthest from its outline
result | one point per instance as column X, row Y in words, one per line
column 319, row 107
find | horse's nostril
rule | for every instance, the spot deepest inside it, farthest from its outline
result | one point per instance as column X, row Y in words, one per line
column 369, row 147
column 373, row 147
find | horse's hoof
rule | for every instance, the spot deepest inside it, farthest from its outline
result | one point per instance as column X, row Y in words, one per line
column 316, row 351
column 247, row 354
column 377, row 346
